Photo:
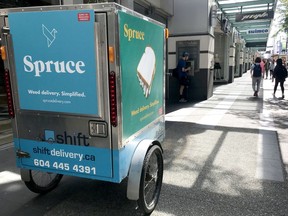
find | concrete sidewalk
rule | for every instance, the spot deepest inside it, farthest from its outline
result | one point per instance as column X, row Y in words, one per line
column 229, row 151
column 234, row 106
column 275, row 113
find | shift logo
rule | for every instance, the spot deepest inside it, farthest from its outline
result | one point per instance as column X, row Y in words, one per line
column 76, row 139
column 50, row 35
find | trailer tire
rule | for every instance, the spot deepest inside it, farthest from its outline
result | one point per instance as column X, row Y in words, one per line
column 42, row 182
column 151, row 180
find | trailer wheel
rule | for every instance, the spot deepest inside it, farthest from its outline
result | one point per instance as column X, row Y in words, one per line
column 42, row 182
column 151, row 180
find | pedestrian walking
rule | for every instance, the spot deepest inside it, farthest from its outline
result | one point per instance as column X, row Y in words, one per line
column 280, row 74
column 256, row 75
column 271, row 68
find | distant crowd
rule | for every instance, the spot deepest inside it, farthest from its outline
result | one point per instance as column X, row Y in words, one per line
column 268, row 69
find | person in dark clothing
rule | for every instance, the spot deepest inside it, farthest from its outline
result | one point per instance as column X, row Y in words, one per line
column 280, row 74
column 256, row 75
column 183, row 75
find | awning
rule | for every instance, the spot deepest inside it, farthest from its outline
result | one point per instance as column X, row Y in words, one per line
column 251, row 18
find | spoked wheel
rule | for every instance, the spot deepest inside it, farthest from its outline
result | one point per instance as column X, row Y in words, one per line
column 42, row 182
column 151, row 180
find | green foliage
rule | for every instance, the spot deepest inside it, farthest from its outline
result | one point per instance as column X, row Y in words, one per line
column 283, row 11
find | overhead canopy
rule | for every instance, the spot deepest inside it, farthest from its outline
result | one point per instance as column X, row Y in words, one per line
column 251, row 18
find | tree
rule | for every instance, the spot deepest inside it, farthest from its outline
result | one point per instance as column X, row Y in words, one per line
column 283, row 11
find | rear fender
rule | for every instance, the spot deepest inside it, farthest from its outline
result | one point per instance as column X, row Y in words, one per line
column 135, row 169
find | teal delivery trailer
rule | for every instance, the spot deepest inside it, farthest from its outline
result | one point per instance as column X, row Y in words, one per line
column 85, row 90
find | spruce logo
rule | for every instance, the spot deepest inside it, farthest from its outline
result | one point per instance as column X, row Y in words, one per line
column 49, row 66
column 50, row 35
